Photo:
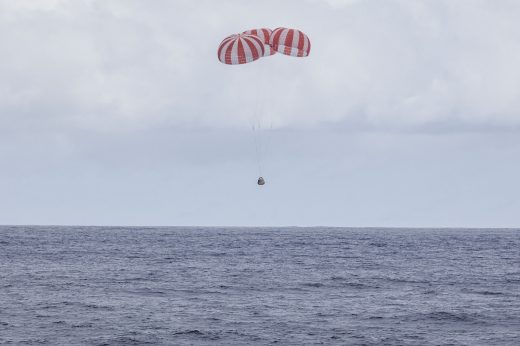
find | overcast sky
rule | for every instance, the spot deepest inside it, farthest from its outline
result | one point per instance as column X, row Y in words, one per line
column 406, row 113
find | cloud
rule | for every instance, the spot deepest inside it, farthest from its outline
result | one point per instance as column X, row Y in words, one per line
column 135, row 65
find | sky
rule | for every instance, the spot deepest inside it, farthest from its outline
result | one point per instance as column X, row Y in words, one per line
column 405, row 114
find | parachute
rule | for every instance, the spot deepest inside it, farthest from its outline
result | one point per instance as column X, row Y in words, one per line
column 253, row 44
column 265, row 36
column 240, row 49
column 290, row 42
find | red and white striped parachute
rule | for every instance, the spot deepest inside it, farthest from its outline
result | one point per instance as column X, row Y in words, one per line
column 240, row 49
column 264, row 35
column 253, row 44
column 290, row 42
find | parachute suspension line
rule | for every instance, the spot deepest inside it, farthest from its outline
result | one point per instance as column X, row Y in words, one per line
column 257, row 119
column 260, row 117
column 267, row 114
column 257, row 150
column 255, row 126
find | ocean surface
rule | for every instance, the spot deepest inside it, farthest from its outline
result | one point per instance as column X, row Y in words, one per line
column 258, row 286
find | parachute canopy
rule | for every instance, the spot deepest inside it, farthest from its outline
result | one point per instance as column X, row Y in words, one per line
column 263, row 34
column 240, row 49
column 253, row 44
column 290, row 42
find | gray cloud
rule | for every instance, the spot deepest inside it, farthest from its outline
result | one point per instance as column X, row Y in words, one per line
column 130, row 65
column 314, row 177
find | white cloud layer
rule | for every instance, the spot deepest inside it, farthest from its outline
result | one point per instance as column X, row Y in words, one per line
column 134, row 65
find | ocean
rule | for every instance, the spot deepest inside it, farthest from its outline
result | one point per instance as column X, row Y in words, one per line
column 258, row 286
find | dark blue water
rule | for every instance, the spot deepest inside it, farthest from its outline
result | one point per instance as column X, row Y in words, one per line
column 290, row 286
